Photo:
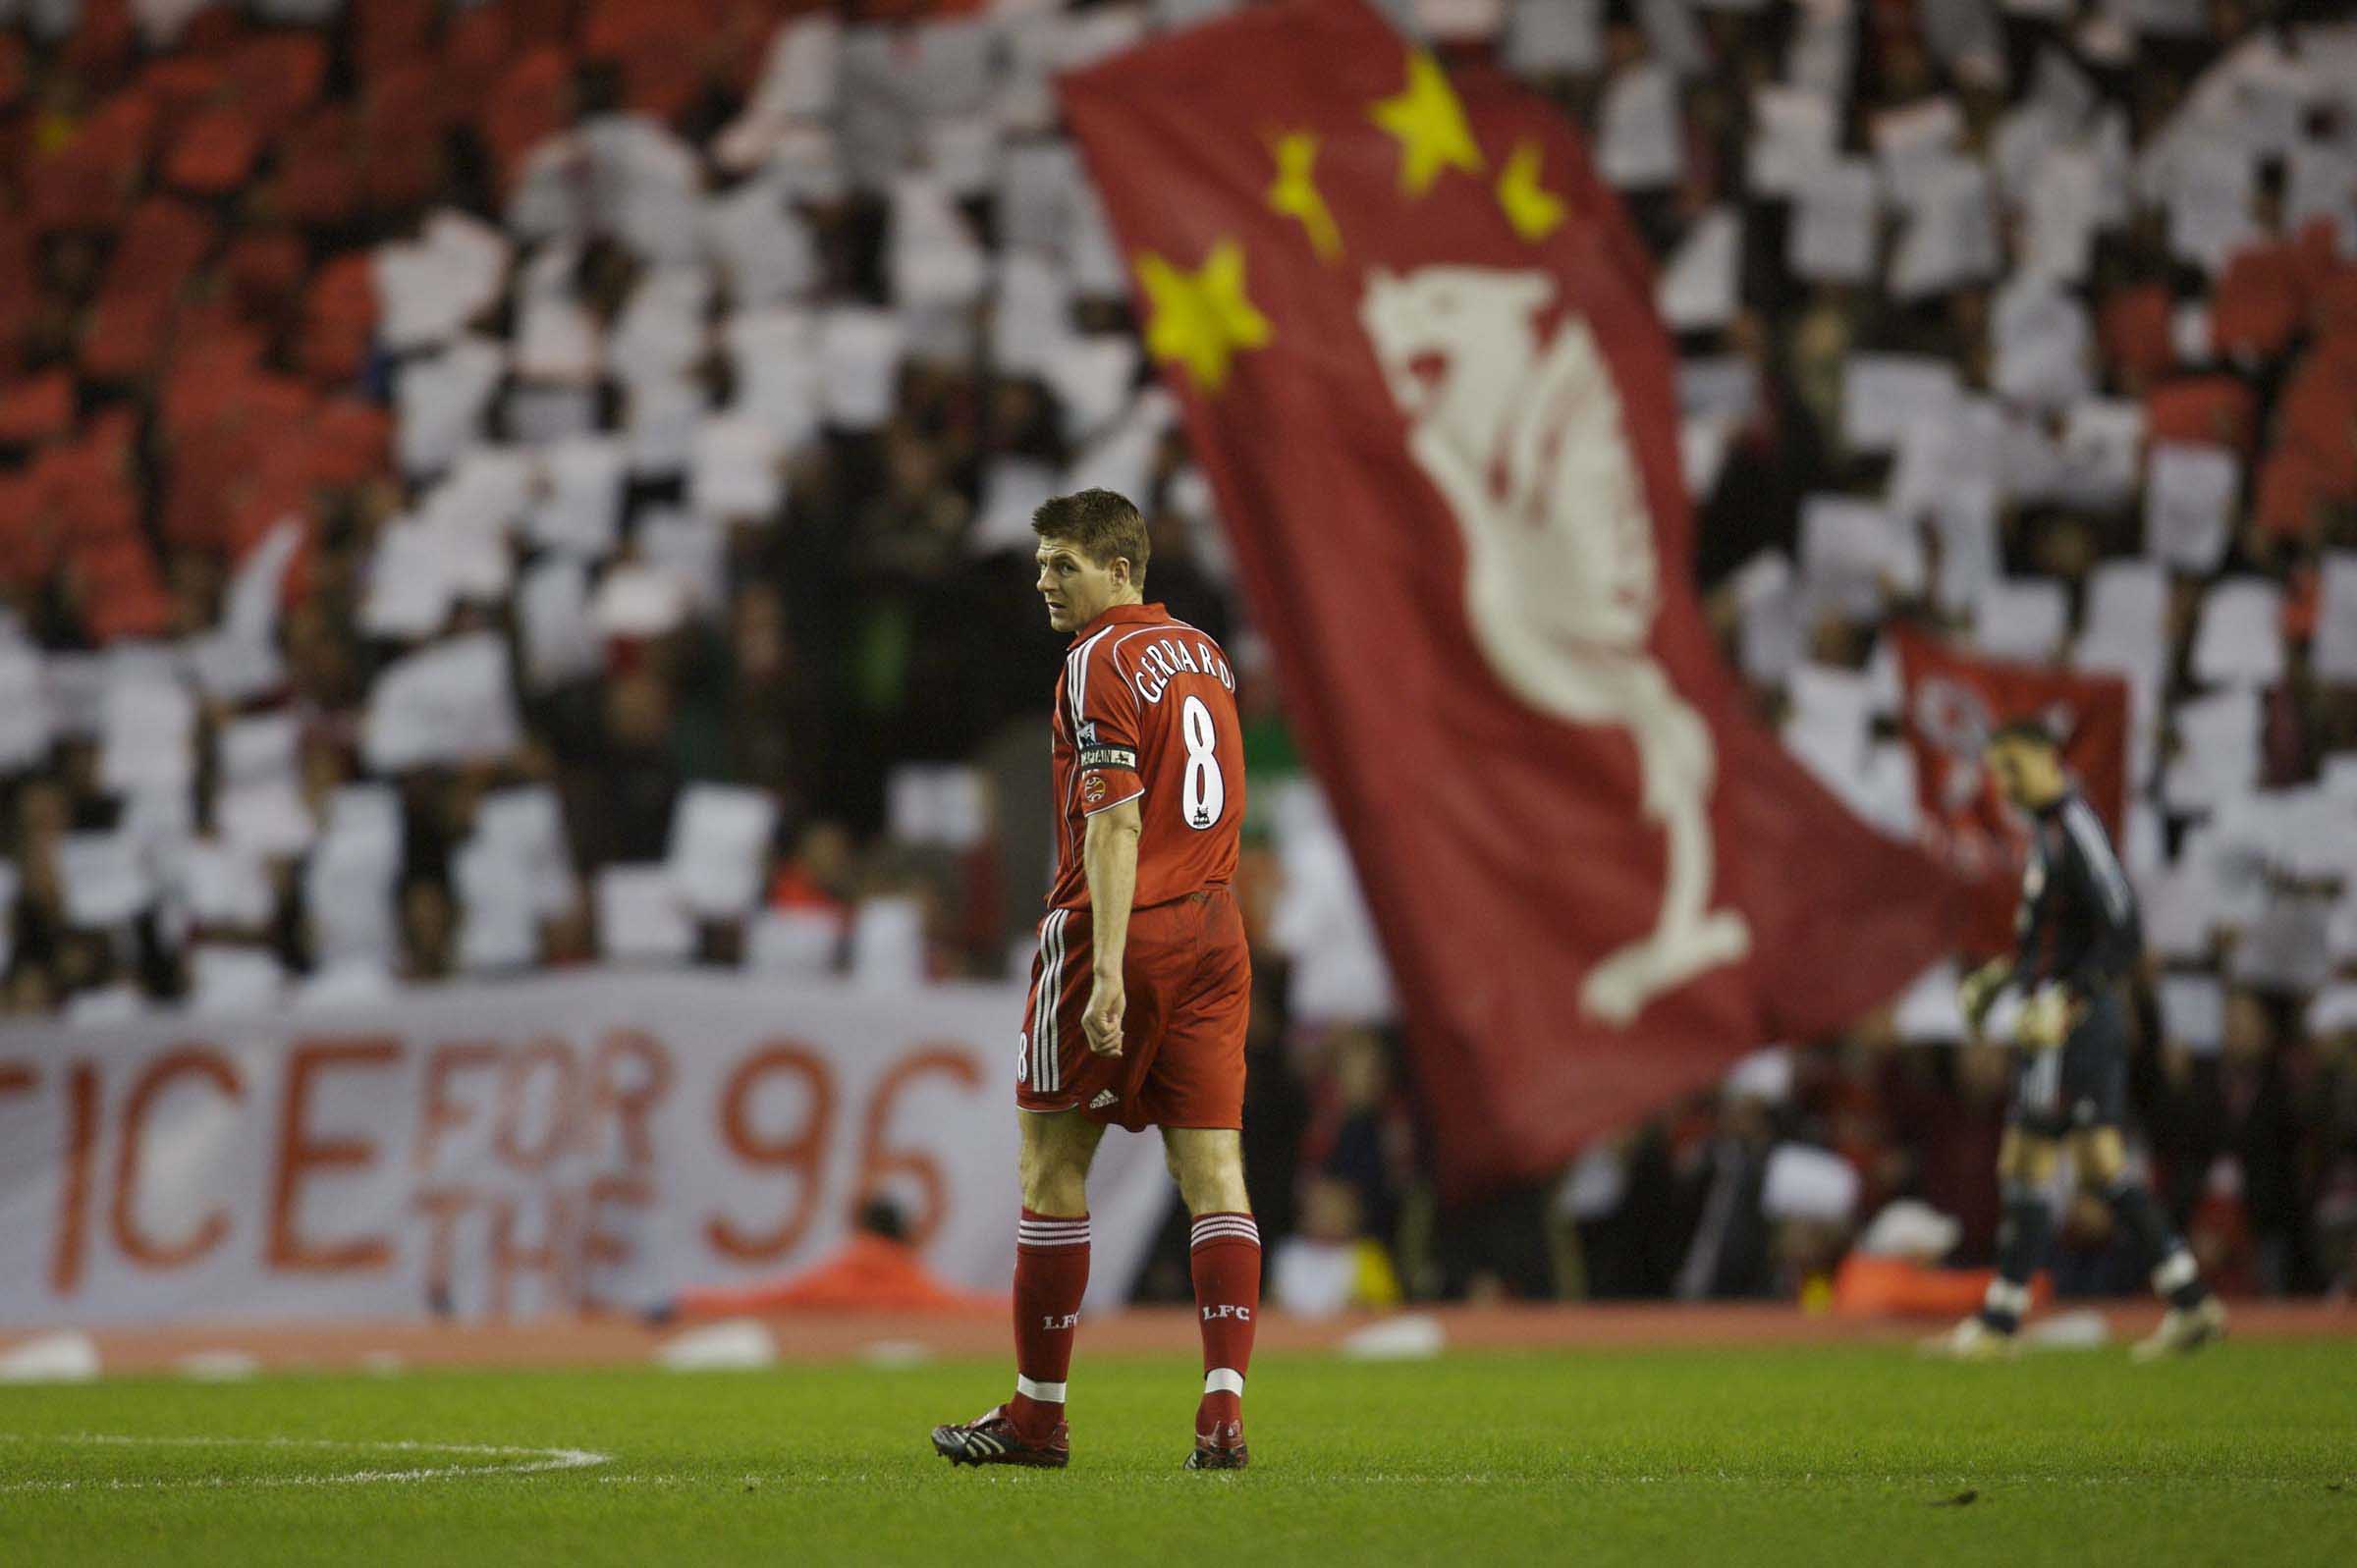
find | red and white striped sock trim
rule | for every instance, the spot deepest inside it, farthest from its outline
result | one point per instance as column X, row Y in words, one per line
column 1209, row 1228
column 1039, row 1231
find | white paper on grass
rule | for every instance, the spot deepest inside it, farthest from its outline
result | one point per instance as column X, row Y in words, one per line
column 1835, row 235
column 2189, row 496
column 1884, row 395
column 775, row 356
column 763, row 247
column 449, row 703
column 2044, row 344
column 661, row 332
column 2239, row 637
column 793, row 942
column 1699, row 289
column 718, row 859
column 733, row 470
column 103, row 877
column 639, row 916
column 226, row 884
column 560, row 639
column 438, row 402
column 1639, row 139
column 2023, row 618
column 1545, row 37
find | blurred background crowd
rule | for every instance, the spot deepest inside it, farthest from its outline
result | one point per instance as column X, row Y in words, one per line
column 536, row 483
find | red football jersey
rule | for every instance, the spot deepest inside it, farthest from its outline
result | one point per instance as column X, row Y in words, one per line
column 1145, row 711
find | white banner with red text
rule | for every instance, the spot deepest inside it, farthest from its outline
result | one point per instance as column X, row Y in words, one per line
column 501, row 1151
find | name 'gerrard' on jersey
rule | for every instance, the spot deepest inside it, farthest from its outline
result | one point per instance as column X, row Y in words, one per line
column 1145, row 711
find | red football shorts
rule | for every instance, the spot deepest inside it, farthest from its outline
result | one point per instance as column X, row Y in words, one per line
column 1187, row 980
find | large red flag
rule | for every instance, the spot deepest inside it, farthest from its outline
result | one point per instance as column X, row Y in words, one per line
column 1952, row 702
column 1415, row 341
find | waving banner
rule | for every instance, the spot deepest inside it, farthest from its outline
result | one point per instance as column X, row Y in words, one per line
column 496, row 1150
column 1953, row 700
column 1415, row 341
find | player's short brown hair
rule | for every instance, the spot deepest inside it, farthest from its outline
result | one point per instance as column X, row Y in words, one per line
column 1101, row 523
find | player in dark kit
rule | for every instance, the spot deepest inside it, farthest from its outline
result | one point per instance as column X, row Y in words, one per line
column 1142, row 984
column 2079, row 937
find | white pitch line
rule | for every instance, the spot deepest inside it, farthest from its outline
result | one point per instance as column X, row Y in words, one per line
column 539, row 1461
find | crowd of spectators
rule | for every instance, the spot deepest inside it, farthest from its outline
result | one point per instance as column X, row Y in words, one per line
column 501, row 486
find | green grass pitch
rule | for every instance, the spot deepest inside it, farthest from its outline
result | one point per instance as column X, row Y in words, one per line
column 1862, row 1456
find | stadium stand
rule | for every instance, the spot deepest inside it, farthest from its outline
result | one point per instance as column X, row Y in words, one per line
column 467, row 471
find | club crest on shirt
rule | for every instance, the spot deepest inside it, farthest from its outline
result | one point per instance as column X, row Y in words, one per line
column 1092, row 789
column 1086, row 734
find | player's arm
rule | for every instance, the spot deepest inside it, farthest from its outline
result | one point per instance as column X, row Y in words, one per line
column 2103, row 882
column 1108, row 855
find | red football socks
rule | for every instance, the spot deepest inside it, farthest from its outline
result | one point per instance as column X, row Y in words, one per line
column 1226, row 1263
column 1050, row 1274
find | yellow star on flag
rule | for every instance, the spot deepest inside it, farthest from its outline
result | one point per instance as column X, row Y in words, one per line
column 1429, row 126
column 1534, row 211
column 1295, row 193
column 1200, row 319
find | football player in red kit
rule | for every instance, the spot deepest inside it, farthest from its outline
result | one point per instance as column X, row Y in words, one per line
column 1142, row 983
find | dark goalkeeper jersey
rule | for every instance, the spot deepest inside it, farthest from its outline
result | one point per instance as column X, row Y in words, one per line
column 2078, row 923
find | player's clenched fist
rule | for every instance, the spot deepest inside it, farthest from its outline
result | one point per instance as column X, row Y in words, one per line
column 1102, row 1022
